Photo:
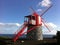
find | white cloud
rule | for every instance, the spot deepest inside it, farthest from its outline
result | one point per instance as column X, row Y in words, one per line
column 42, row 5
column 45, row 3
column 11, row 24
column 9, row 28
column 53, row 32
column 52, row 28
column 52, row 25
column 39, row 10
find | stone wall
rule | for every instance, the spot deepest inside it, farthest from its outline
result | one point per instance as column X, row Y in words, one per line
column 35, row 34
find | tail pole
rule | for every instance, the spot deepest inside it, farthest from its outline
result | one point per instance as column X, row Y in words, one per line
column 19, row 33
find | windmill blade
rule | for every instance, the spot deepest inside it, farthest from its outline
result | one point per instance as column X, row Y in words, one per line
column 45, row 25
column 32, row 9
column 45, row 10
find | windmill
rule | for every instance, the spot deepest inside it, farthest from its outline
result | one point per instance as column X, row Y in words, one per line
column 34, row 24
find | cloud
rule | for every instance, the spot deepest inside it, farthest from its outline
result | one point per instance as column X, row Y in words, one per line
column 52, row 27
column 45, row 3
column 9, row 28
column 10, row 24
column 39, row 10
column 42, row 5
column 53, row 32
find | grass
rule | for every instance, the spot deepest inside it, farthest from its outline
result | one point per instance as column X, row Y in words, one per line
column 8, row 41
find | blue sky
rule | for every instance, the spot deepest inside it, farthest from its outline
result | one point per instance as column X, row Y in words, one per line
column 13, row 11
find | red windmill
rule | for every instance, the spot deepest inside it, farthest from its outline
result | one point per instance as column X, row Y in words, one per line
column 34, row 24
